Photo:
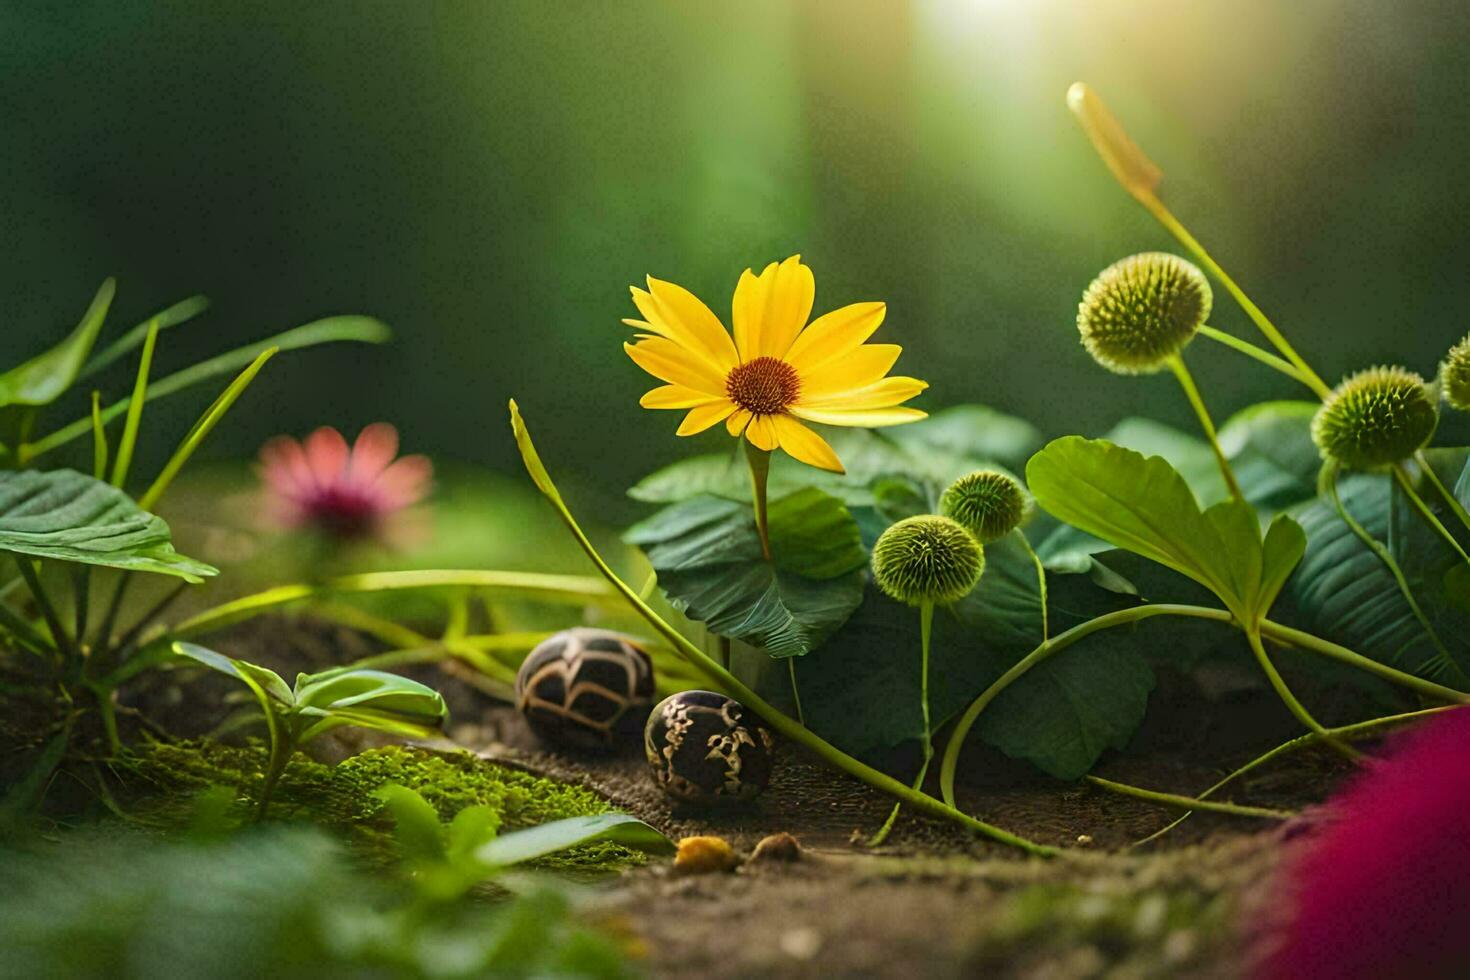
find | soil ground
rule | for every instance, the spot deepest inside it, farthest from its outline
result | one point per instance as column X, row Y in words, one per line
column 935, row 901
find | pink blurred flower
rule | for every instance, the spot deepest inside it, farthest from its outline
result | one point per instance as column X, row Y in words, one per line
column 1384, row 889
column 347, row 493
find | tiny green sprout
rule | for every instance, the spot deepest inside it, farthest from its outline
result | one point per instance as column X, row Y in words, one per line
column 927, row 559
column 1375, row 418
column 1454, row 376
column 1141, row 311
column 990, row 504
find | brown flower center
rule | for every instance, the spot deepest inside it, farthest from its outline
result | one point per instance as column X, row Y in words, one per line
column 765, row 386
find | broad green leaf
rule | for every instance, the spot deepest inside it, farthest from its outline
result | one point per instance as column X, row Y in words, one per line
column 181, row 312
column 66, row 516
column 1271, row 450
column 330, row 330
column 472, row 827
column 1435, row 572
column 43, row 379
column 972, row 432
column 415, row 824
column 1281, row 552
column 559, row 835
column 1190, row 455
column 860, row 690
column 369, row 699
column 1143, row 505
column 261, row 678
column 707, row 554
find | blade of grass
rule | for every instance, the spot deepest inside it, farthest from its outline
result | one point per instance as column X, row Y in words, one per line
column 360, row 329
column 135, row 411
column 201, row 429
column 99, row 439
column 181, row 312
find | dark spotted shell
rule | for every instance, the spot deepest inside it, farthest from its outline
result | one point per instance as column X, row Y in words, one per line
column 585, row 689
column 706, row 748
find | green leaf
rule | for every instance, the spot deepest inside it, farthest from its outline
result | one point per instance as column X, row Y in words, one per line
column 369, row 699
column 1271, row 450
column 181, row 312
column 1143, row 505
column 707, row 554
column 66, row 516
column 860, row 690
column 332, row 329
column 1435, row 571
column 43, row 379
column 1190, row 455
column 415, row 824
column 261, row 679
column 559, row 835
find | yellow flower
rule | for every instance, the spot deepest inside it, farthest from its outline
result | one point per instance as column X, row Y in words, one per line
column 778, row 371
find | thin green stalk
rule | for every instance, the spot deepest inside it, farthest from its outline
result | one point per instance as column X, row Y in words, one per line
column 1191, row 391
column 59, row 635
column 1060, row 642
column 1162, row 214
column 23, row 633
column 1252, row 351
column 1450, row 499
column 1315, row 644
column 1355, row 730
column 780, row 722
column 1299, row 710
column 107, row 711
column 760, row 471
column 282, row 748
column 1040, row 584
column 129, row 639
column 926, row 626
column 129, row 438
column 99, row 439
column 1328, row 482
column 114, row 608
column 1187, row 802
column 795, row 691
column 1407, row 484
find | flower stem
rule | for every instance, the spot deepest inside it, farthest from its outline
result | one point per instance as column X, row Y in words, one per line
column 1040, row 583
column 795, row 691
column 759, row 461
column 1060, row 642
column 926, row 626
column 1326, row 648
column 1299, row 710
column 1172, row 224
column 1187, row 802
column 783, row 724
column 1361, row 728
column 1407, row 484
column 1252, row 351
column 1449, row 498
column 1186, row 381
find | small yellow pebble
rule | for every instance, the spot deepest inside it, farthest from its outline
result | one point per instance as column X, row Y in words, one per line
column 704, row 855
column 1084, row 840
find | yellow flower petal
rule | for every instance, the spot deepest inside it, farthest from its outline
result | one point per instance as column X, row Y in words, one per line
column 864, row 366
column 834, row 334
column 879, row 394
column 804, row 444
column 675, row 396
column 866, row 419
column 770, row 309
column 704, row 416
column 735, row 424
column 762, row 433
column 678, row 314
column 669, row 362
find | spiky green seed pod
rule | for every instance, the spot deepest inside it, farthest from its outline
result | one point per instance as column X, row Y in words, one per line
column 1142, row 310
column 990, row 504
column 1375, row 418
column 1454, row 376
column 927, row 559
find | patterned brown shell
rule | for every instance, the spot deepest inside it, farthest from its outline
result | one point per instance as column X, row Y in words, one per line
column 585, row 689
column 702, row 749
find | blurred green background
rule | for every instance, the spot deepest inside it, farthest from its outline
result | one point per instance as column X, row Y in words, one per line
column 489, row 177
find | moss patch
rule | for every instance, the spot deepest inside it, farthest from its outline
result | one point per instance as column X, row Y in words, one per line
column 163, row 780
